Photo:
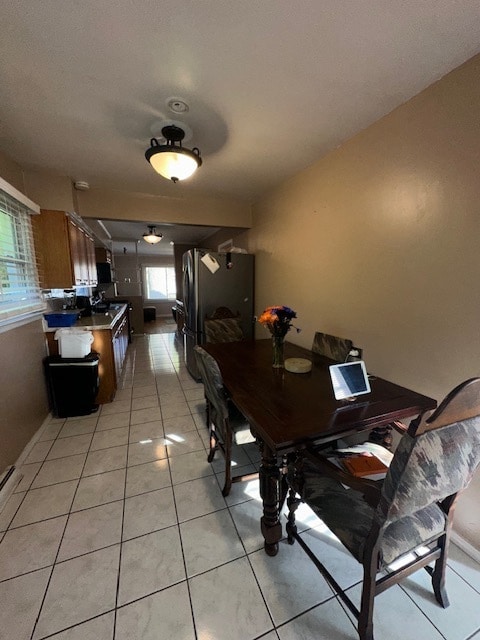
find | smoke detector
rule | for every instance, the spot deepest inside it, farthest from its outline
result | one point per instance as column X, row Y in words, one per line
column 81, row 185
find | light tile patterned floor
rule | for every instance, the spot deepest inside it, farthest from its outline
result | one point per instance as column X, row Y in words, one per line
column 118, row 531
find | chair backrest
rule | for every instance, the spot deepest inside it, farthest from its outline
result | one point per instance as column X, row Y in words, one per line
column 221, row 313
column 331, row 346
column 436, row 458
column 213, row 385
column 225, row 330
column 223, row 326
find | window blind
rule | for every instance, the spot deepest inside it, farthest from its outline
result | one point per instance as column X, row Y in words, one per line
column 20, row 294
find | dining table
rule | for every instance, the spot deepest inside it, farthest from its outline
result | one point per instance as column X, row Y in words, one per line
column 289, row 411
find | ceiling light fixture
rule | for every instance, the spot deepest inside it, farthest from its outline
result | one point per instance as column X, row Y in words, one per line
column 171, row 160
column 152, row 237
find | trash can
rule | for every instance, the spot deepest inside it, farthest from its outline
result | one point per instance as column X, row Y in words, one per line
column 72, row 385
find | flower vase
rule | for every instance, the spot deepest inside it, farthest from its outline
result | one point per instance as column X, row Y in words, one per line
column 278, row 344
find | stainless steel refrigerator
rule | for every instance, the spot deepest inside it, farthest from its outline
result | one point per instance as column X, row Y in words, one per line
column 212, row 280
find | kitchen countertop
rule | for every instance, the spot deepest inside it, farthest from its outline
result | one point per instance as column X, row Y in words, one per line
column 104, row 320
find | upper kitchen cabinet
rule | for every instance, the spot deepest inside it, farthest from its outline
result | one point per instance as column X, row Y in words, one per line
column 103, row 255
column 65, row 251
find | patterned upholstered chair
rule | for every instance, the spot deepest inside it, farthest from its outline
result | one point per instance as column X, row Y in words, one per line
column 339, row 349
column 380, row 522
column 223, row 326
column 226, row 423
column 333, row 347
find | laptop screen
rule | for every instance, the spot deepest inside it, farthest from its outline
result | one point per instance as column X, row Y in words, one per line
column 349, row 379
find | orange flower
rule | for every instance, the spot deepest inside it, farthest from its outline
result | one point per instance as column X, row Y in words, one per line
column 278, row 319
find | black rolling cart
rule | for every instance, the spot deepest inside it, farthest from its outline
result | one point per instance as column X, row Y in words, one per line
column 72, row 385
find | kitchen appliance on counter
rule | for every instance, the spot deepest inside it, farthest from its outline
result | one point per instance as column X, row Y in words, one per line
column 69, row 299
column 84, row 305
column 212, row 280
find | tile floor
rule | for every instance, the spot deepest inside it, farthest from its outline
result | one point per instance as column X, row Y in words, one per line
column 118, row 531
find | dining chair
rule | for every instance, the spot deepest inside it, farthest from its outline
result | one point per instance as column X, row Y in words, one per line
column 341, row 349
column 332, row 347
column 226, row 423
column 223, row 326
column 380, row 522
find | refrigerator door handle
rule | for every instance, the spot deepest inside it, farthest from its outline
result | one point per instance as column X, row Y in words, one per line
column 185, row 296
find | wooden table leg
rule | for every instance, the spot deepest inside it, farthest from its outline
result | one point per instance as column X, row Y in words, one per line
column 269, row 476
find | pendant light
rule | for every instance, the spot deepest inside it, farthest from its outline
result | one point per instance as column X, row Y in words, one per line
column 152, row 237
column 171, row 160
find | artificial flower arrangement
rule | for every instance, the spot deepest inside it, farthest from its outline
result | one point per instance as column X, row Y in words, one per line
column 278, row 320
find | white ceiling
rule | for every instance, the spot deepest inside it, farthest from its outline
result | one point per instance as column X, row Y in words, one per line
column 272, row 85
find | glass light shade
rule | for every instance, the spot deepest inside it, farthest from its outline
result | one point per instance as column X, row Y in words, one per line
column 174, row 164
column 151, row 238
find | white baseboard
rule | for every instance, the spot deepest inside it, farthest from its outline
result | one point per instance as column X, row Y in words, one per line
column 465, row 546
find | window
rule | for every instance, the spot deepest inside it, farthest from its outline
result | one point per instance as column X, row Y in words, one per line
column 160, row 283
column 20, row 295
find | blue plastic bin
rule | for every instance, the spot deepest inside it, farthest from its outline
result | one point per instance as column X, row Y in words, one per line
column 61, row 318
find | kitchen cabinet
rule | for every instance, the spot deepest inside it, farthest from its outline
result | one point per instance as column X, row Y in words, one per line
column 65, row 251
column 103, row 259
column 103, row 255
column 91, row 261
column 78, row 249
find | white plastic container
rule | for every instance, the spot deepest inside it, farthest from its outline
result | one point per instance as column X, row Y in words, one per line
column 74, row 343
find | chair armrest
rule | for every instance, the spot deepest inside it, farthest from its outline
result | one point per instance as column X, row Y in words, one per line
column 369, row 488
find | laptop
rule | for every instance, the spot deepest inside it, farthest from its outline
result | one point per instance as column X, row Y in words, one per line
column 349, row 379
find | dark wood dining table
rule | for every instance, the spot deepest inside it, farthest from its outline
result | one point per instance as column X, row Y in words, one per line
column 288, row 411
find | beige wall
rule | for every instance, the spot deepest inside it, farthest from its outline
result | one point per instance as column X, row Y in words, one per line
column 23, row 397
column 23, row 391
column 11, row 172
column 120, row 205
column 50, row 191
column 380, row 242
